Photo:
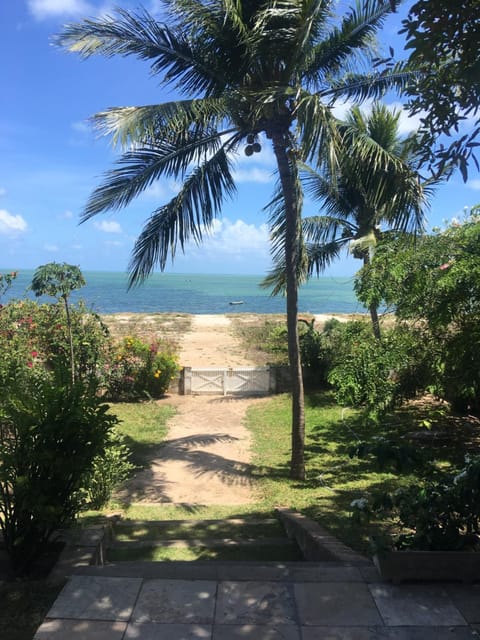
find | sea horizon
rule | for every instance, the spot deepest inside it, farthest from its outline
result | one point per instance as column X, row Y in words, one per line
column 107, row 292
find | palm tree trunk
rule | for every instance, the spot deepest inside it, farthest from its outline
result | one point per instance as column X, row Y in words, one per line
column 373, row 308
column 281, row 143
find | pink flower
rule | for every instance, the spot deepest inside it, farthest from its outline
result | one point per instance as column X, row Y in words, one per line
column 444, row 266
column 30, row 364
column 34, row 354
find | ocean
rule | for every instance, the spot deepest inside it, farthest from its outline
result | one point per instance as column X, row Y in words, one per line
column 106, row 292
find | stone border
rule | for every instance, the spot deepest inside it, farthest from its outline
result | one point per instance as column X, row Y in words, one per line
column 83, row 547
column 315, row 542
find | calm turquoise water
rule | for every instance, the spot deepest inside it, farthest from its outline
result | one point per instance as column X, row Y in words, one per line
column 106, row 292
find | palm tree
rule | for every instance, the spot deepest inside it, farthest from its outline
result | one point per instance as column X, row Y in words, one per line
column 374, row 187
column 248, row 70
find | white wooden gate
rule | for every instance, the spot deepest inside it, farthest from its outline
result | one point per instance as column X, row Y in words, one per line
column 238, row 381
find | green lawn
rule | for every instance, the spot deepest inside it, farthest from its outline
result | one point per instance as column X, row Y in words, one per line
column 334, row 478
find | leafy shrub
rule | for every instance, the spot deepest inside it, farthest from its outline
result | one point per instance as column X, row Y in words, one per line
column 379, row 374
column 110, row 468
column 435, row 284
column 50, row 433
column 138, row 370
column 440, row 515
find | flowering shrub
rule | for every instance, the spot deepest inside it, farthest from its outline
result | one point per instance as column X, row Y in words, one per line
column 35, row 336
column 137, row 369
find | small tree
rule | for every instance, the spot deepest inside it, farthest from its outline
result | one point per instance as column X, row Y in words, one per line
column 58, row 281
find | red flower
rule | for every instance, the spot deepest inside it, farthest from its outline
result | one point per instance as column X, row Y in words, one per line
column 30, row 364
column 34, row 354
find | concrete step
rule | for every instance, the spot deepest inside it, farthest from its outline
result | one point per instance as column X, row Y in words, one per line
column 234, row 571
column 183, row 543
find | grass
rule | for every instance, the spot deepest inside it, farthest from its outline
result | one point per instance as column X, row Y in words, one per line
column 334, row 478
column 194, row 553
column 144, row 427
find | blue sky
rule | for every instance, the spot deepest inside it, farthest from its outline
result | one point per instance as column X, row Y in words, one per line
column 50, row 160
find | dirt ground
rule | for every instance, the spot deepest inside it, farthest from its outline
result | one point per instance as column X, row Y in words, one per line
column 206, row 458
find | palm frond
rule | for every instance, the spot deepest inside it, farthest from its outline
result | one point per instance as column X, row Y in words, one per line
column 358, row 87
column 146, row 124
column 318, row 131
column 350, row 43
column 139, row 168
column 138, row 34
column 184, row 218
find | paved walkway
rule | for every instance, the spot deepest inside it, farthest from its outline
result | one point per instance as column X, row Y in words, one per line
column 253, row 601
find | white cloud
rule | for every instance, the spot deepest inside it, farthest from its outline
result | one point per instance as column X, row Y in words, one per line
column 51, row 248
column 108, row 226
column 3, row 191
column 11, row 225
column 474, row 184
column 113, row 243
column 253, row 175
column 236, row 238
column 406, row 123
column 42, row 9
column 81, row 126
column 66, row 215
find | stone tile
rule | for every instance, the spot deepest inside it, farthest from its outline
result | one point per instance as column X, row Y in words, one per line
column 151, row 631
column 176, row 602
column 327, row 574
column 94, row 598
column 415, row 605
column 255, row 632
column 342, row 633
column 80, row 630
column 467, row 600
column 245, row 603
column 428, row 633
column 387, row 633
column 336, row 604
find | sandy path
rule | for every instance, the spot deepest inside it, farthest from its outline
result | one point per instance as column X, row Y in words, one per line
column 211, row 343
column 206, row 458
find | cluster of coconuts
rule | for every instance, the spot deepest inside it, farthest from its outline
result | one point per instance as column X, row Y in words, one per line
column 252, row 146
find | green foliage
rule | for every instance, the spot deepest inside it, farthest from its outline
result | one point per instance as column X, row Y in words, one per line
column 377, row 375
column 390, row 454
column 110, row 468
column 443, row 39
column 138, row 370
column 440, row 515
column 57, row 280
column 50, row 433
column 434, row 285
column 6, row 281
column 36, row 337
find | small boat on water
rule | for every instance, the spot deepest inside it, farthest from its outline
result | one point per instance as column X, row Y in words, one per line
column 236, row 302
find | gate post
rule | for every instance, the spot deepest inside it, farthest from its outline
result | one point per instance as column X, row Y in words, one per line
column 187, row 381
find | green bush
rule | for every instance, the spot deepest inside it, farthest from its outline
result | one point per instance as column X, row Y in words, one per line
column 378, row 375
column 138, row 370
column 51, row 431
column 110, row 468
column 440, row 515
